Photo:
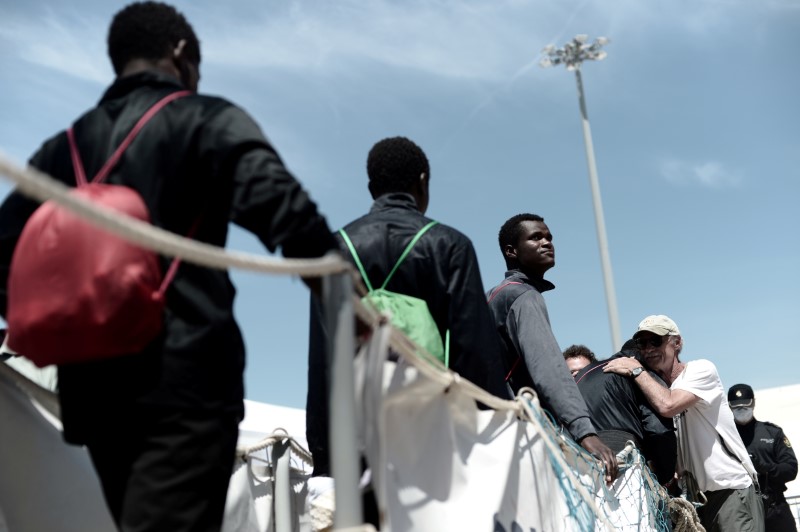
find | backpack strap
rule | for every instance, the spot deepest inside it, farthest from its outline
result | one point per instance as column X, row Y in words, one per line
column 408, row 250
column 80, row 172
column 405, row 253
column 77, row 164
column 352, row 249
column 397, row 265
column 173, row 266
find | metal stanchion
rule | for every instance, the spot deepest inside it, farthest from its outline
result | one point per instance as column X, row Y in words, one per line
column 337, row 293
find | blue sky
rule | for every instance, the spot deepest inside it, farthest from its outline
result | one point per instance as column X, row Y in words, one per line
column 693, row 113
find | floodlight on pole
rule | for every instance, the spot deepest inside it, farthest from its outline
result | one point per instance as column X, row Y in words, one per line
column 572, row 55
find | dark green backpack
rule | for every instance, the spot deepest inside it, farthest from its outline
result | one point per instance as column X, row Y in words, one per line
column 409, row 314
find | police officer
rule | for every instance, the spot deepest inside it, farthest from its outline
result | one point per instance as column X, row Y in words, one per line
column 772, row 456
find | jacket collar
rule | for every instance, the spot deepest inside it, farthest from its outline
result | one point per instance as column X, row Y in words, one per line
column 395, row 200
column 542, row 285
column 124, row 86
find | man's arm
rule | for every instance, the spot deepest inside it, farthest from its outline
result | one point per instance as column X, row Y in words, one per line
column 666, row 402
column 14, row 214
column 266, row 199
column 659, row 441
column 529, row 328
column 785, row 467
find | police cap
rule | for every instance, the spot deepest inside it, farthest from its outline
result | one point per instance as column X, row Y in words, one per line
column 740, row 395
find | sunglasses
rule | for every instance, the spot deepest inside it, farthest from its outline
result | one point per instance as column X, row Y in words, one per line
column 651, row 341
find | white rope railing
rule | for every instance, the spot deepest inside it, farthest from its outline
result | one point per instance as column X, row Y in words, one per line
column 42, row 187
column 277, row 436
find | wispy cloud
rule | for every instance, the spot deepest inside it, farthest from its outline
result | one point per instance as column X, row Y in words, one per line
column 469, row 39
column 457, row 39
column 711, row 174
column 66, row 44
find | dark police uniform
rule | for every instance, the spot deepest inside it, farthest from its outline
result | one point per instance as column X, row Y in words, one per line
column 774, row 460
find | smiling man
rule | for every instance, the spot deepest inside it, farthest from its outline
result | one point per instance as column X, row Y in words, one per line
column 532, row 357
column 710, row 450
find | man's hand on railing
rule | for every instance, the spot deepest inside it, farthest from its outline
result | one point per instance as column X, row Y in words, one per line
column 600, row 450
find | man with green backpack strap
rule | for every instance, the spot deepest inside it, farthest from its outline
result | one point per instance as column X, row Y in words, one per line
column 404, row 256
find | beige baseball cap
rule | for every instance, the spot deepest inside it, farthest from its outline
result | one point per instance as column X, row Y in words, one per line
column 658, row 324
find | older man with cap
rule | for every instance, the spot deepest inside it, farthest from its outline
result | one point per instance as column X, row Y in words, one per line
column 710, row 452
column 772, row 456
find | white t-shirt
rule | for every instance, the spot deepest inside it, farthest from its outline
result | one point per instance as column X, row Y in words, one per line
column 699, row 429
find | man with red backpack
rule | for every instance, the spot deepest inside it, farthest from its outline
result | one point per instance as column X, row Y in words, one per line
column 161, row 424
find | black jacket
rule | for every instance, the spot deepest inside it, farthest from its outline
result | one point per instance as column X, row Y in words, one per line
column 531, row 356
column 616, row 403
column 772, row 455
column 201, row 158
column 442, row 269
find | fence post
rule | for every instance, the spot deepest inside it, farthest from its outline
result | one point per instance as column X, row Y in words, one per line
column 337, row 294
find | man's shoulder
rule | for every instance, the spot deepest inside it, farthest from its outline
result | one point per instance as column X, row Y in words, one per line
column 701, row 366
column 770, row 427
column 214, row 105
column 510, row 291
column 413, row 221
column 449, row 230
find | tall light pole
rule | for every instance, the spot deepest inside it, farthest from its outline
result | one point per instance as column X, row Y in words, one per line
column 572, row 55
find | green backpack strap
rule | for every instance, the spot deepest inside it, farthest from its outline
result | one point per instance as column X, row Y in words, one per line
column 407, row 251
column 352, row 249
column 397, row 265
column 447, row 348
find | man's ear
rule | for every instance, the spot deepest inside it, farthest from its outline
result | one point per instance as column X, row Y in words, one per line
column 510, row 252
column 421, row 193
column 422, row 184
column 179, row 50
column 678, row 344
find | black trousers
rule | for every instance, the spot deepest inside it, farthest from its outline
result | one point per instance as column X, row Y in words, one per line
column 166, row 469
column 779, row 518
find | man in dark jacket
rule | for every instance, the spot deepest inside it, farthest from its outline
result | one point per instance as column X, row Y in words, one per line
column 441, row 269
column 772, row 456
column 620, row 413
column 532, row 357
column 161, row 425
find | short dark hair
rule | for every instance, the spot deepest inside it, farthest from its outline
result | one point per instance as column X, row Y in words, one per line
column 149, row 30
column 631, row 349
column 512, row 229
column 575, row 351
column 394, row 165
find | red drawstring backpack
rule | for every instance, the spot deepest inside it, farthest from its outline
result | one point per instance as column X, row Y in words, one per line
column 77, row 292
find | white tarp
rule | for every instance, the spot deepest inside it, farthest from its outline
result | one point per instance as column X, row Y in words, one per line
column 45, row 484
column 48, row 485
column 444, row 465
column 440, row 463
